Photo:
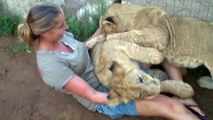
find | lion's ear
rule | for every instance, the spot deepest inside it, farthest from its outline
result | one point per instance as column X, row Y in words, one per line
column 109, row 25
column 106, row 23
column 110, row 19
column 117, row 1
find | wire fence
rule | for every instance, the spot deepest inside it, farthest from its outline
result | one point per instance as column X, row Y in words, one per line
column 202, row 9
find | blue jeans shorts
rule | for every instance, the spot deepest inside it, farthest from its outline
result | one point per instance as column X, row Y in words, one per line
column 122, row 109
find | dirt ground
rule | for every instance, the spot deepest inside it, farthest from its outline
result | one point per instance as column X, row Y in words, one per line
column 24, row 96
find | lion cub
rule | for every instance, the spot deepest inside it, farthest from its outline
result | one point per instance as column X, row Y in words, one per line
column 184, row 41
column 117, row 66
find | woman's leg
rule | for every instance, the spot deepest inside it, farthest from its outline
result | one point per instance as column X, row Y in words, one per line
column 174, row 73
column 164, row 106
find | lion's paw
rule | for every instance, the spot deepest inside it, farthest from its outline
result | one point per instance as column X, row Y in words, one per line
column 93, row 41
column 206, row 82
column 90, row 43
column 155, row 56
column 186, row 91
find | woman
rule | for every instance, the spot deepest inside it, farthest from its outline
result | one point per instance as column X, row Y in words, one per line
column 65, row 65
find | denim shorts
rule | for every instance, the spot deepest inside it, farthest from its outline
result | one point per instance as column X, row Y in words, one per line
column 122, row 109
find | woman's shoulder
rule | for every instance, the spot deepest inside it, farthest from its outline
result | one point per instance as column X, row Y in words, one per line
column 70, row 40
column 69, row 37
column 68, row 34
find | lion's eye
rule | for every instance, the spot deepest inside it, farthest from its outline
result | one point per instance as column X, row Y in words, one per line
column 141, row 79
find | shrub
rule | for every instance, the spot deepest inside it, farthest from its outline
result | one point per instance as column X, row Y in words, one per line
column 8, row 26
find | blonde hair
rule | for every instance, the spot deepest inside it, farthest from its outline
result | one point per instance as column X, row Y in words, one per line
column 40, row 18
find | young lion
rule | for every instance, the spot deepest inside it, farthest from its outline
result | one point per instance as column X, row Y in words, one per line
column 184, row 41
column 116, row 64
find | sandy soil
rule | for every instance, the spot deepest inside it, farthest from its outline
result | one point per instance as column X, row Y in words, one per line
column 24, row 96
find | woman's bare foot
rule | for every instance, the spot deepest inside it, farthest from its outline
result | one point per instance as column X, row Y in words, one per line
column 193, row 107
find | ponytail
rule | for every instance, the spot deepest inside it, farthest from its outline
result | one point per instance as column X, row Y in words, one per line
column 26, row 35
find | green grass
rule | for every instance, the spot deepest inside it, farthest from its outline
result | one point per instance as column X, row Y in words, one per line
column 7, row 26
column 22, row 48
column 81, row 29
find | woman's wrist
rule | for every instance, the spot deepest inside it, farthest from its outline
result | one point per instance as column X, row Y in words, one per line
column 100, row 98
column 100, row 30
column 106, row 98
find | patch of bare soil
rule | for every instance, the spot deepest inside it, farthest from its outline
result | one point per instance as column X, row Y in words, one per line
column 24, row 96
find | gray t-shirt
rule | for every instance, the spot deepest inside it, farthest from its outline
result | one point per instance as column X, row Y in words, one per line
column 57, row 68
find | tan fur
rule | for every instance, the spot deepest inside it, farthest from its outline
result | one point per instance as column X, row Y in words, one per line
column 184, row 41
column 116, row 64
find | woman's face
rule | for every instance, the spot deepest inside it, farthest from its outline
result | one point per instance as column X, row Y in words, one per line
column 56, row 33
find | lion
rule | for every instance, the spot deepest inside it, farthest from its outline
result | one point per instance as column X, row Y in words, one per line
column 117, row 66
column 184, row 41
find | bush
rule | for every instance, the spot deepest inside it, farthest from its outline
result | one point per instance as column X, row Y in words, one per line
column 81, row 29
column 8, row 26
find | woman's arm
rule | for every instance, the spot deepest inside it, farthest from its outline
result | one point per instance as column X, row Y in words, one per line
column 98, row 32
column 173, row 72
column 80, row 87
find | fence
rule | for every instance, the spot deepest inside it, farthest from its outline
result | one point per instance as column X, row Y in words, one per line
column 195, row 8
